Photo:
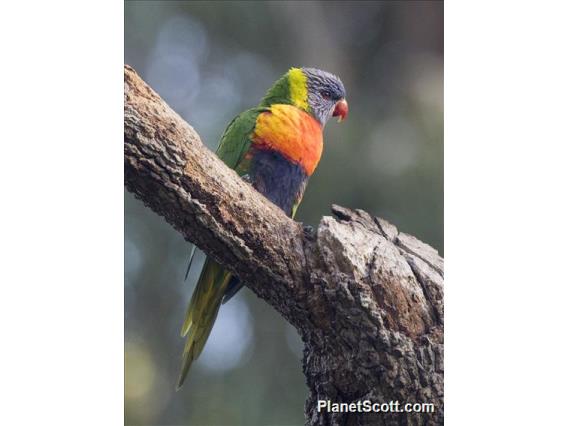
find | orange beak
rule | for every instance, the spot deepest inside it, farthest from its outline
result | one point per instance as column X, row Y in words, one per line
column 341, row 110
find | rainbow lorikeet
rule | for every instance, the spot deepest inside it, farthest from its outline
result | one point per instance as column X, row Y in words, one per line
column 276, row 147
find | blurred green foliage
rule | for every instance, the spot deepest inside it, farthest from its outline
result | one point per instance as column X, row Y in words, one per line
column 211, row 60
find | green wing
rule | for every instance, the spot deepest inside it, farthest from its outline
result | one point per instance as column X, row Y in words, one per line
column 236, row 140
column 214, row 279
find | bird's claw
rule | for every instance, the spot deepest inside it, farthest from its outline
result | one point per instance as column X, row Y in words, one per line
column 309, row 231
column 247, row 179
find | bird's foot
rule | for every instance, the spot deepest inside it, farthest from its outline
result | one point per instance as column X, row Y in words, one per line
column 247, row 179
column 309, row 231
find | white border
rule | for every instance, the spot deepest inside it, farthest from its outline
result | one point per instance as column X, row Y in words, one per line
column 62, row 213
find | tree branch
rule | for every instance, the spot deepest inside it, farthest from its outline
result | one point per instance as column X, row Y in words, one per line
column 366, row 299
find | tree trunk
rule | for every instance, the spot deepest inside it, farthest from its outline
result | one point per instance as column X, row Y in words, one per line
column 366, row 299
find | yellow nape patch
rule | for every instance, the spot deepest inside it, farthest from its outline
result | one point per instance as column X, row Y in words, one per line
column 298, row 88
column 293, row 133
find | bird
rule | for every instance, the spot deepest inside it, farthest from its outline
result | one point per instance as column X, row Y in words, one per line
column 275, row 147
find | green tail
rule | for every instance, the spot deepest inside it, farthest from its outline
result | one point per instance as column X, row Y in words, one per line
column 202, row 312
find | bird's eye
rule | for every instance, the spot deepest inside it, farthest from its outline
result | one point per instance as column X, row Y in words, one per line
column 325, row 94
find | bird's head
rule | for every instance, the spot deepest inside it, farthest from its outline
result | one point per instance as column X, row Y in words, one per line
column 317, row 92
column 325, row 95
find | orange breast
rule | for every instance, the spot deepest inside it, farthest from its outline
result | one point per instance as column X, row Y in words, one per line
column 293, row 133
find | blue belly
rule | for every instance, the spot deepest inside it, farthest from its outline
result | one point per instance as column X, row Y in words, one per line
column 277, row 178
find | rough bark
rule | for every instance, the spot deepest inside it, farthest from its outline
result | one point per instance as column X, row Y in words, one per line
column 366, row 299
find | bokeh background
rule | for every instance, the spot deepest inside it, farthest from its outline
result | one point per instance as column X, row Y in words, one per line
column 211, row 60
